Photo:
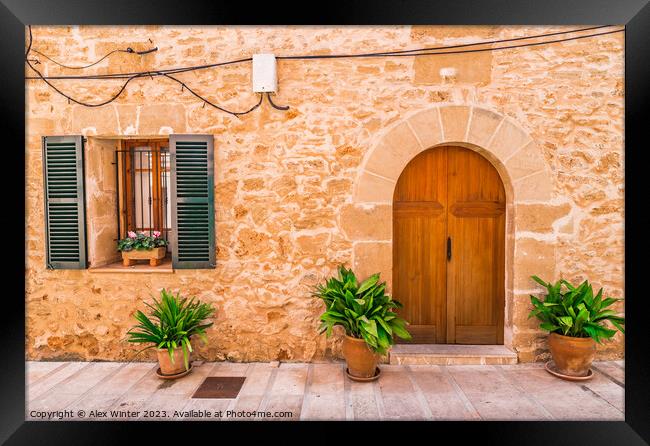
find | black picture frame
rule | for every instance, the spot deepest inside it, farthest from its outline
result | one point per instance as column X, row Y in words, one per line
column 635, row 14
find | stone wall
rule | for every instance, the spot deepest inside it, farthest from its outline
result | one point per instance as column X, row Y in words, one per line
column 285, row 181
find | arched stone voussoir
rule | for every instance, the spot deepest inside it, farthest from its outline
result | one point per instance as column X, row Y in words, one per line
column 526, row 161
column 508, row 138
column 393, row 152
column 483, row 123
column 371, row 188
column 454, row 119
column 426, row 126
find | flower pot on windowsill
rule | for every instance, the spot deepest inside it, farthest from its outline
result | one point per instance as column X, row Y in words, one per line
column 154, row 255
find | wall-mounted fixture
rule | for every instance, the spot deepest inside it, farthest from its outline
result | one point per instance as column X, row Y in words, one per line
column 448, row 73
column 265, row 77
column 265, row 74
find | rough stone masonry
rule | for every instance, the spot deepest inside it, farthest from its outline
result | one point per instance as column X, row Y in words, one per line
column 284, row 181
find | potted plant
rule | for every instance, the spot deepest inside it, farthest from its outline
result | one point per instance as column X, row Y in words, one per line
column 175, row 320
column 140, row 246
column 366, row 313
column 575, row 319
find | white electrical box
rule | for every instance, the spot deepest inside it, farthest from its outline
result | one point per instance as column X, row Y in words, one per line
column 265, row 76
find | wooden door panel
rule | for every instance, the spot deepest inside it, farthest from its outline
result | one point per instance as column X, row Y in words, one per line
column 477, row 334
column 420, row 274
column 470, row 241
column 422, row 334
column 424, row 179
column 476, row 227
column 419, row 228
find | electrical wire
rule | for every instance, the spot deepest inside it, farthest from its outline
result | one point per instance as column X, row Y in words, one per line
column 70, row 98
column 274, row 105
column 83, row 67
column 121, row 90
column 434, row 53
column 147, row 73
column 398, row 53
column 436, row 48
column 205, row 101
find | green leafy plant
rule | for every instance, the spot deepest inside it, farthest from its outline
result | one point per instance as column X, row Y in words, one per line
column 175, row 320
column 140, row 241
column 363, row 309
column 575, row 311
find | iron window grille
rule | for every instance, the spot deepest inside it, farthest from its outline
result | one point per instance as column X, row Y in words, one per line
column 143, row 181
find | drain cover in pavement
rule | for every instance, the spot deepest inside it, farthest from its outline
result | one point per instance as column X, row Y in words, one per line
column 220, row 387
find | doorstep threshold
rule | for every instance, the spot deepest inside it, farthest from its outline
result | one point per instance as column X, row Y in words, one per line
column 451, row 354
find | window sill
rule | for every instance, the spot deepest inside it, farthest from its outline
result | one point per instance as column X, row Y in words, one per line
column 164, row 268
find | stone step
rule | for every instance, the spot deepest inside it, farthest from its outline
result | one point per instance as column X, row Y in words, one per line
column 448, row 354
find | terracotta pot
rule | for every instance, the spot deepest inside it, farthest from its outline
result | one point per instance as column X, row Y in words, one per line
column 572, row 356
column 166, row 365
column 361, row 361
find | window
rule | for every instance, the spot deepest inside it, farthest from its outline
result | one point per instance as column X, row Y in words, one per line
column 97, row 189
column 144, row 175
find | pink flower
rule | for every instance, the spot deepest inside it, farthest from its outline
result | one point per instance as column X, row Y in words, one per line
column 132, row 234
column 156, row 233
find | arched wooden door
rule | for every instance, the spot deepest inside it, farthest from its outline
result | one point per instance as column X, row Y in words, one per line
column 449, row 247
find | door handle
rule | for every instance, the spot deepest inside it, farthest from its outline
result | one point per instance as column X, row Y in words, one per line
column 448, row 249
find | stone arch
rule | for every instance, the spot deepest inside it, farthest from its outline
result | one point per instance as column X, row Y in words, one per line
column 500, row 139
column 516, row 156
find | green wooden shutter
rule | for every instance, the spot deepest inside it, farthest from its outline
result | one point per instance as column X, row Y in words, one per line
column 192, row 201
column 65, row 213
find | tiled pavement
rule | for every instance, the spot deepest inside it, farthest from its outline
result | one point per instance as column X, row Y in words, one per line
column 73, row 390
